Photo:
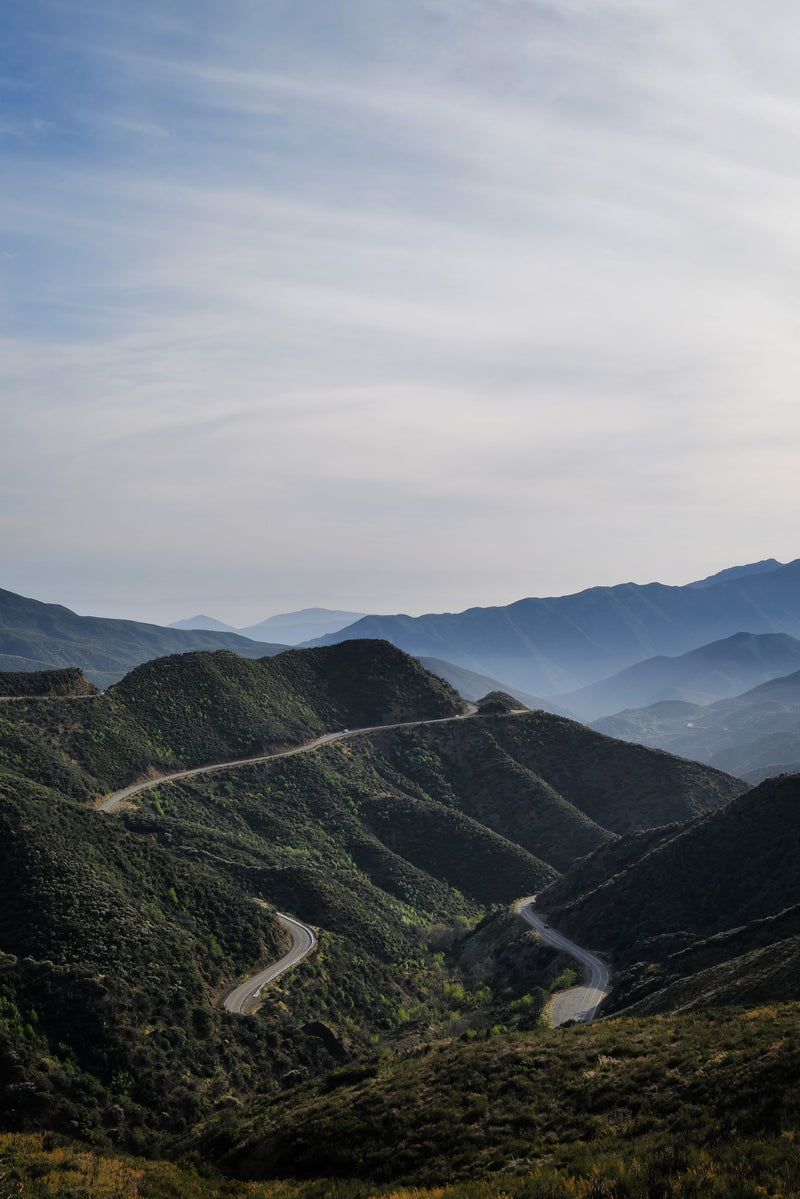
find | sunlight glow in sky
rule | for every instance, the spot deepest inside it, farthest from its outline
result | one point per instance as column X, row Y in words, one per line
column 394, row 305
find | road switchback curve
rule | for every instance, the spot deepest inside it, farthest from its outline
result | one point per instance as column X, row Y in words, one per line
column 580, row 1003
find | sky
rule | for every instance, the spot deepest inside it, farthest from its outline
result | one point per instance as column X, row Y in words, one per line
column 394, row 305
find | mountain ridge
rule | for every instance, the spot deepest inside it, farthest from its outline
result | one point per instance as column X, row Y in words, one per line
column 719, row 670
column 39, row 635
column 549, row 646
column 752, row 735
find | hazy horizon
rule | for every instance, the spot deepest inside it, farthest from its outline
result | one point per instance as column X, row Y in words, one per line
column 251, row 607
column 390, row 306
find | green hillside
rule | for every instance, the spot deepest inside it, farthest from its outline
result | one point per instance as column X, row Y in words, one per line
column 698, row 895
column 407, row 1047
column 631, row 1107
column 190, row 709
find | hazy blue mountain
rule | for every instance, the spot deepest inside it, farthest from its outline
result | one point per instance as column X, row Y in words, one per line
column 475, row 686
column 290, row 628
column 716, row 671
column 34, row 635
column 559, row 644
column 203, row 622
column 753, row 735
column 739, row 572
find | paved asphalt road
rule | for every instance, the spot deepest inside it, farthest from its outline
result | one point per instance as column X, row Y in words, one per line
column 242, row 998
column 303, row 939
column 579, row 1003
column 116, row 797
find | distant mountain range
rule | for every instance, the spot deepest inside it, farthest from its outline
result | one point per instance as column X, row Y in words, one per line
column 751, row 735
column 37, row 636
column 591, row 654
column 288, row 628
column 716, row 671
column 551, row 646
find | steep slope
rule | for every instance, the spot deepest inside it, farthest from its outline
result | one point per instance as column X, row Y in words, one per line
column 559, row 644
column 698, row 895
column 724, row 668
column 190, row 709
column 548, row 784
column 753, row 735
column 34, row 635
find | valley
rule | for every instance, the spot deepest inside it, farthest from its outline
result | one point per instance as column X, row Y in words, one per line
column 165, row 844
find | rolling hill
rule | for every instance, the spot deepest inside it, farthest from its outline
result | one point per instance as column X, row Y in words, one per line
column 406, row 1047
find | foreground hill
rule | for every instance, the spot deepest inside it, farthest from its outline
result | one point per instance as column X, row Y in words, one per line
column 37, row 636
column 559, row 644
column 712, row 672
column 753, row 735
column 17, row 684
column 626, row 1107
column 693, row 897
column 549, row 784
column 189, row 709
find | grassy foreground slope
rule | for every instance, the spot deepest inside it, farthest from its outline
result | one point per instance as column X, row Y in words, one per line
column 597, row 1103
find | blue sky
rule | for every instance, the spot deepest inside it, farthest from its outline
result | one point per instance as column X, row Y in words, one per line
column 394, row 306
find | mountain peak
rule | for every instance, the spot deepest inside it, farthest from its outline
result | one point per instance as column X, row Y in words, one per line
column 765, row 566
column 203, row 622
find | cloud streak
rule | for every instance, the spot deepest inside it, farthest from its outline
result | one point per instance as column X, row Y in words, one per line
column 393, row 306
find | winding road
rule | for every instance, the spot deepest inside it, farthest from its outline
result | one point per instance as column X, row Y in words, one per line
column 242, row 999
column 116, row 797
column 580, row 1003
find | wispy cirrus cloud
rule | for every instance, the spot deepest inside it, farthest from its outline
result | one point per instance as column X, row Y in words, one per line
column 434, row 304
